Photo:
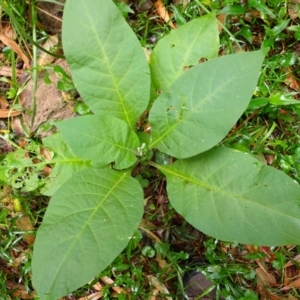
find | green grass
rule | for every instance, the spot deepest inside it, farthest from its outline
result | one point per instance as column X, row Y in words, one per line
column 165, row 246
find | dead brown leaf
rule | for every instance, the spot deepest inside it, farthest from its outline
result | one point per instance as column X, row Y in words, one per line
column 94, row 296
column 162, row 263
column 21, row 258
column 24, row 223
column 19, row 290
column 163, row 13
column 292, row 262
column 158, row 285
column 270, row 158
column 97, row 286
column 3, row 103
column 293, row 8
column 222, row 19
column 292, row 82
column 184, row 3
column 108, row 280
column 6, row 113
column 294, row 284
column 9, row 32
column 154, row 294
column 45, row 58
column 17, row 127
column 14, row 46
column 264, row 277
column 7, row 71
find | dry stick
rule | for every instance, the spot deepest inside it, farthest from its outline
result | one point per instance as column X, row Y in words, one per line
column 108, row 280
column 149, row 232
column 49, row 14
column 94, row 296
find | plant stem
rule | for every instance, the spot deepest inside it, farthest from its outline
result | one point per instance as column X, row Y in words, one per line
column 34, row 71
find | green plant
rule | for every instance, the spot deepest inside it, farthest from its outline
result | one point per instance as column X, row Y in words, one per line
column 96, row 205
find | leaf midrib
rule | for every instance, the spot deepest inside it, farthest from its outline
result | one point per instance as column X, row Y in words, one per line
column 108, row 64
column 105, row 141
column 83, row 227
column 207, row 98
column 191, row 112
column 167, row 170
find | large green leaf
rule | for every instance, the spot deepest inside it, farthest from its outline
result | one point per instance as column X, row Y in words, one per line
column 183, row 48
column 66, row 164
column 101, row 139
column 233, row 197
column 204, row 103
column 89, row 221
column 108, row 65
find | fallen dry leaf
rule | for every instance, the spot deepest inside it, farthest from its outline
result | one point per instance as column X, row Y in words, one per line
column 3, row 103
column 292, row 82
column 158, row 285
column 7, row 71
column 108, row 280
column 45, row 58
column 21, row 258
column 19, row 290
column 184, row 3
column 154, row 294
column 292, row 262
column 94, row 296
column 17, row 127
column 163, row 13
column 221, row 19
column 293, row 8
column 14, row 46
column 162, row 263
column 269, row 158
column 294, row 284
column 264, row 277
column 24, row 223
column 9, row 31
column 6, row 113
column 97, row 286
column 266, row 295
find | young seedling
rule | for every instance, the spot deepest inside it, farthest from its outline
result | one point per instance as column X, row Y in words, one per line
column 96, row 205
